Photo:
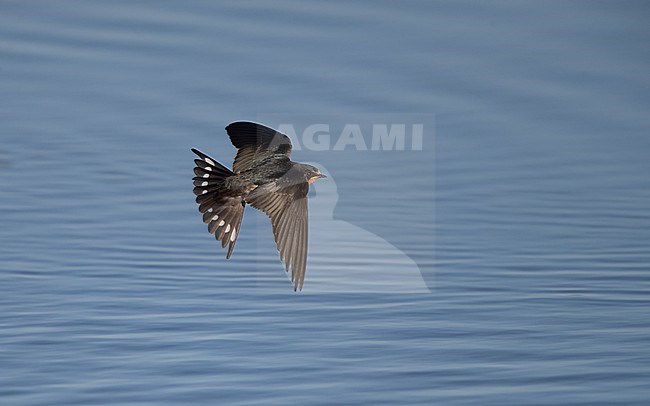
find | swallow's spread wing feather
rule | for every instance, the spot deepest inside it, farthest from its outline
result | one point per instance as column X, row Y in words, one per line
column 254, row 143
column 286, row 205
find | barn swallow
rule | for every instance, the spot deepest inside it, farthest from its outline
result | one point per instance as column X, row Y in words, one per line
column 264, row 177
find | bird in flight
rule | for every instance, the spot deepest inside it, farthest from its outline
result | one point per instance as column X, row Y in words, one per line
column 264, row 177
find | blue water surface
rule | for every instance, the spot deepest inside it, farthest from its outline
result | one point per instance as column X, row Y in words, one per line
column 527, row 211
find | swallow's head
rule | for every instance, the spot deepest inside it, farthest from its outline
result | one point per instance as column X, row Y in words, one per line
column 312, row 173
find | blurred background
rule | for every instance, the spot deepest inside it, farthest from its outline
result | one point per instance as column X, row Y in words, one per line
column 526, row 213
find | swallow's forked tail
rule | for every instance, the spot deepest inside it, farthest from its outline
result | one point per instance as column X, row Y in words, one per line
column 221, row 212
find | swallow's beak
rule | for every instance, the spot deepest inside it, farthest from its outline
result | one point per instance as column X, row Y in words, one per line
column 321, row 176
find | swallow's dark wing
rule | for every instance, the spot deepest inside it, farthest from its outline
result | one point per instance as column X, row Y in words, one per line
column 286, row 205
column 222, row 212
column 254, row 143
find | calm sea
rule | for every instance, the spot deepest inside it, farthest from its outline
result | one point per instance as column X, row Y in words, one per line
column 507, row 261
